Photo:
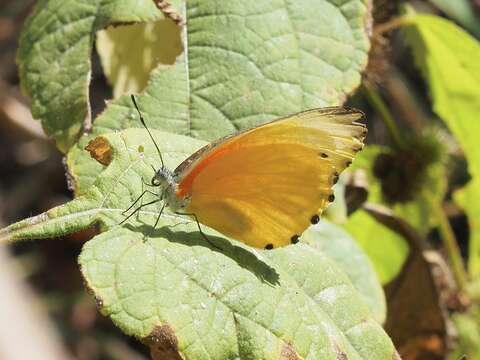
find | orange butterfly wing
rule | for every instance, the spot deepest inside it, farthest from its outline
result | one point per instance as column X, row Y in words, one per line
column 265, row 185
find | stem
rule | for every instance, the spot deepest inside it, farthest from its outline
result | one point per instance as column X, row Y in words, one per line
column 449, row 241
column 389, row 25
column 379, row 105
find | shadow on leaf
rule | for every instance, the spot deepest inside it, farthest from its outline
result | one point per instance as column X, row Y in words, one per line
column 251, row 260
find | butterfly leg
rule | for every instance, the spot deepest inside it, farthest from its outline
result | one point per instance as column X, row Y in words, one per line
column 159, row 215
column 199, row 228
column 138, row 209
column 143, row 194
column 156, row 223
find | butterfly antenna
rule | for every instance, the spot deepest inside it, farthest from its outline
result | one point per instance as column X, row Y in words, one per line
column 148, row 130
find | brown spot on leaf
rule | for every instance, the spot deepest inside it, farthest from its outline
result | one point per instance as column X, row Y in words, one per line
column 339, row 353
column 100, row 149
column 288, row 353
column 168, row 10
column 163, row 343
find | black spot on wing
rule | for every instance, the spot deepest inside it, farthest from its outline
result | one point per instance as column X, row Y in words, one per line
column 269, row 247
column 295, row 239
column 335, row 178
column 315, row 219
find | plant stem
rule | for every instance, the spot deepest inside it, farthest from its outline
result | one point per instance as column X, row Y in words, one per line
column 389, row 25
column 449, row 241
column 407, row 14
column 379, row 105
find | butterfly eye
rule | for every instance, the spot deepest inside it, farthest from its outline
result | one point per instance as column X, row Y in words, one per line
column 155, row 181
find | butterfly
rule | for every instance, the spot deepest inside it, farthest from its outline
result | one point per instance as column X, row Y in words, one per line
column 264, row 186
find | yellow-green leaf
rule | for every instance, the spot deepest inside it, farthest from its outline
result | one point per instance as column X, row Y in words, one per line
column 449, row 59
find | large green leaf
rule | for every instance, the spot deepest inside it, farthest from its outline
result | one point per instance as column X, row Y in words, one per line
column 238, row 304
column 234, row 303
column 54, row 58
column 243, row 62
column 448, row 58
column 341, row 247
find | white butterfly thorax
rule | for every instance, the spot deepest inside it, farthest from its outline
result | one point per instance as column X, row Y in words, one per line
column 168, row 190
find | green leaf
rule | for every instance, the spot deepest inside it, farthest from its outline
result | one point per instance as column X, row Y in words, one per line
column 237, row 303
column 54, row 58
column 448, row 58
column 461, row 11
column 243, row 63
column 341, row 247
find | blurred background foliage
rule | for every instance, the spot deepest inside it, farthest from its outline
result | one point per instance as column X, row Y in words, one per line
column 411, row 197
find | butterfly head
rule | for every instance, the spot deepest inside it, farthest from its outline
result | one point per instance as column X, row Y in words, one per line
column 167, row 184
column 163, row 178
